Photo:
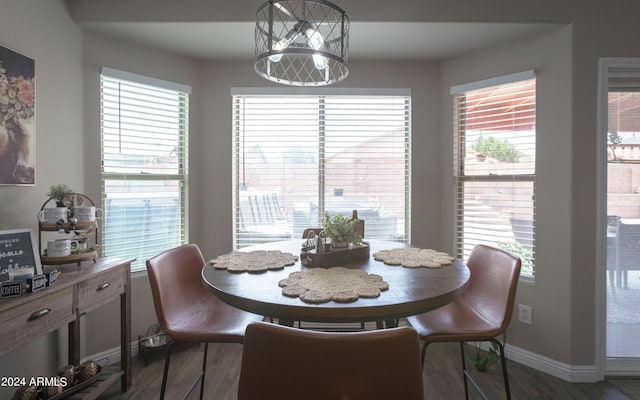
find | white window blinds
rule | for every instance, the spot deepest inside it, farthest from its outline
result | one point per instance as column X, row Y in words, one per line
column 494, row 167
column 298, row 157
column 144, row 125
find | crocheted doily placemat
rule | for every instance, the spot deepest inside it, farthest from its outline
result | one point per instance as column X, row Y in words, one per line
column 342, row 285
column 414, row 257
column 254, row 261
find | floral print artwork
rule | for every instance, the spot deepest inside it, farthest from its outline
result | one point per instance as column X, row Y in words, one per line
column 17, row 120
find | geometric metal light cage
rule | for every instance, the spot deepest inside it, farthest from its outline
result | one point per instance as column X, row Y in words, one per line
column 301, row 42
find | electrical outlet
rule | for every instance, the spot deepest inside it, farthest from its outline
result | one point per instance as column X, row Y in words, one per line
column 524, row 314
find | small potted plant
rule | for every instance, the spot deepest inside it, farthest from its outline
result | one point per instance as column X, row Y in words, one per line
column 340, row 230
column 52, row 215
column 59, row 192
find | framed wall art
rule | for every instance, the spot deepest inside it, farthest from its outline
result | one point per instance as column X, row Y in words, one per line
column 17, row 118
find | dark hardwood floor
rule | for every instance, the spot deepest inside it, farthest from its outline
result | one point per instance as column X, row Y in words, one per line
column 442, row 378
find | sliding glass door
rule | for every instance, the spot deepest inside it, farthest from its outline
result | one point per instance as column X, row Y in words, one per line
column 623, row 225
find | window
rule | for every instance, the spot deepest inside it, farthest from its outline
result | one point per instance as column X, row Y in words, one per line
column 144, row 126
column 298, row 157
column 494, row 163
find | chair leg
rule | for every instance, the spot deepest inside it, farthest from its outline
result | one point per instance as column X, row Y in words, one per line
column 505, row 375
column 165, row 374
column 464, row 372
column 204, row 369
column 423, row 353
column 199, row 378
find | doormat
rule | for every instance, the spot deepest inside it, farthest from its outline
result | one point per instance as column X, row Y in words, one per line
column 630, row 387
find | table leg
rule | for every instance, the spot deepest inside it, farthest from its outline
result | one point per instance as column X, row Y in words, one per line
column 391, row 323
column 74, row 341
column 387, row 323
column 125, row 334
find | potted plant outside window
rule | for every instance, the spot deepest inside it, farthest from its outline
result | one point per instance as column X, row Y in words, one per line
column 500, row 150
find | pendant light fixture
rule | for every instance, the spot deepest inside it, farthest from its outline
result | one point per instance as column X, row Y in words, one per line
column 301, row 42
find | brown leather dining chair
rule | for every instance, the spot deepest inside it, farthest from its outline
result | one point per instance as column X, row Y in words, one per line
column 481, row 313
column 285, row 363
column 187, row 311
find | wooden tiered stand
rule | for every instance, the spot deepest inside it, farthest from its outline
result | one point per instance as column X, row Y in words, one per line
column 88, row 227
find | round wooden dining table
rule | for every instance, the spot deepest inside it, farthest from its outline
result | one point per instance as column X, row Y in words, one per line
column 411, row 290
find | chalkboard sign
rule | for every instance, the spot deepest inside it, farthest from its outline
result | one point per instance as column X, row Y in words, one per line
column 18, row 252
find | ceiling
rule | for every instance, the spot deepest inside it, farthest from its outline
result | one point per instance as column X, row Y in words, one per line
column 367, row 40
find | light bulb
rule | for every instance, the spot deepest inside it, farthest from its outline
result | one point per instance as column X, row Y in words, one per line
column 316, row 41
column 281, row 45
column 320, row 62
column 286, row 41
column 315, row 38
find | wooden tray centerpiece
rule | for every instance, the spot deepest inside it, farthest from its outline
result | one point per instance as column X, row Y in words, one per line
column 339, row 242
column 335, row 256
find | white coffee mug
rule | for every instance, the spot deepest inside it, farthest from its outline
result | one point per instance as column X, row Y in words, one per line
column 60, row 247
column 53, row 214
column 86, row 213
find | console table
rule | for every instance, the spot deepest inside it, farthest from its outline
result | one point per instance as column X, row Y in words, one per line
column 78, row 290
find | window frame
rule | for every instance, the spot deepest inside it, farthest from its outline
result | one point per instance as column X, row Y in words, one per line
column 321, row 93
column 180, row 175
column 461, row 178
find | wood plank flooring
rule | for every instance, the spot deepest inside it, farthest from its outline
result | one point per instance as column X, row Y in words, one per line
column 442, row 378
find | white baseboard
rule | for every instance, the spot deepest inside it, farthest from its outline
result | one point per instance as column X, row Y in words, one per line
column 113, row 354
column 567, row 372
column 564, row 371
